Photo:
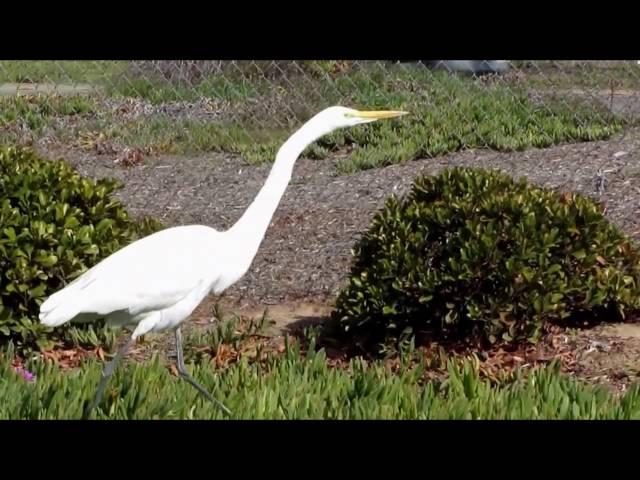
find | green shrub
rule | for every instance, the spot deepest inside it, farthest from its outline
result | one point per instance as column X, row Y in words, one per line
column 475, row 253
column 54, row 224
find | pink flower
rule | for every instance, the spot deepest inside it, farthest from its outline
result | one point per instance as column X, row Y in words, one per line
column 26, row 374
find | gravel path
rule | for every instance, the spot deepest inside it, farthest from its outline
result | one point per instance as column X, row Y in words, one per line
column 306, row 252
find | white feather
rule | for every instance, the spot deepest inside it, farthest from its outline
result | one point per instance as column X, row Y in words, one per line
column 154, row 274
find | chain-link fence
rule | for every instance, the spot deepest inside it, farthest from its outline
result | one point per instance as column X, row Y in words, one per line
column 248, row 107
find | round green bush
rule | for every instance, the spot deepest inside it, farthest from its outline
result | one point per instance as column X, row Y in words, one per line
column 54, row 224
column 475, row 254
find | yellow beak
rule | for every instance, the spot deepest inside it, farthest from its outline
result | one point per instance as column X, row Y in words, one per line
column 379, row 114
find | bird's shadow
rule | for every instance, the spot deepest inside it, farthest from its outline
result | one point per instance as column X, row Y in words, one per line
column 317, row 332
column 302, row 323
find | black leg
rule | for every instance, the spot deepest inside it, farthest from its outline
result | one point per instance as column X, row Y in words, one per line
column 106, row 375
column 182, row 370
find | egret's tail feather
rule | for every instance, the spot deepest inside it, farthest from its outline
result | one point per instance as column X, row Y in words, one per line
column 65, row 299
column 59, row 298
column 63, row 305
column 60, row 314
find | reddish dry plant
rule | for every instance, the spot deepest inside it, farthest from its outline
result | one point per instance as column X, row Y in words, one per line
column 130, row 157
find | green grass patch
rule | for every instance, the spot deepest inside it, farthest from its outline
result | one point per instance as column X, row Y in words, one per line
column 452, row 113
column 60, row 71
column 190, row 137
column 295, row 386
column 24, row 119
column 158, row 91
column 39, row 111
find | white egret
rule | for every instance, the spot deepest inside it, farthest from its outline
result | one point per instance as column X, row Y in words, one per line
column 156, row 282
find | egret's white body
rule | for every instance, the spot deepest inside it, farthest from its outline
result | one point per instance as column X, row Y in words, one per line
column 155, row 283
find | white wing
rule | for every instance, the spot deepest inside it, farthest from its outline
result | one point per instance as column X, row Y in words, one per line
column 150, row 274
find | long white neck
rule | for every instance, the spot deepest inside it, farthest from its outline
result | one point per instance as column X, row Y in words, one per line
column 250, row 229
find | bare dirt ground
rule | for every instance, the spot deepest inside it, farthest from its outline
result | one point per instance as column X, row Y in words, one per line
column 305, row 256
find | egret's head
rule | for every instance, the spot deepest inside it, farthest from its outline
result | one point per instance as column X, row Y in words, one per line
column 340, row 117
